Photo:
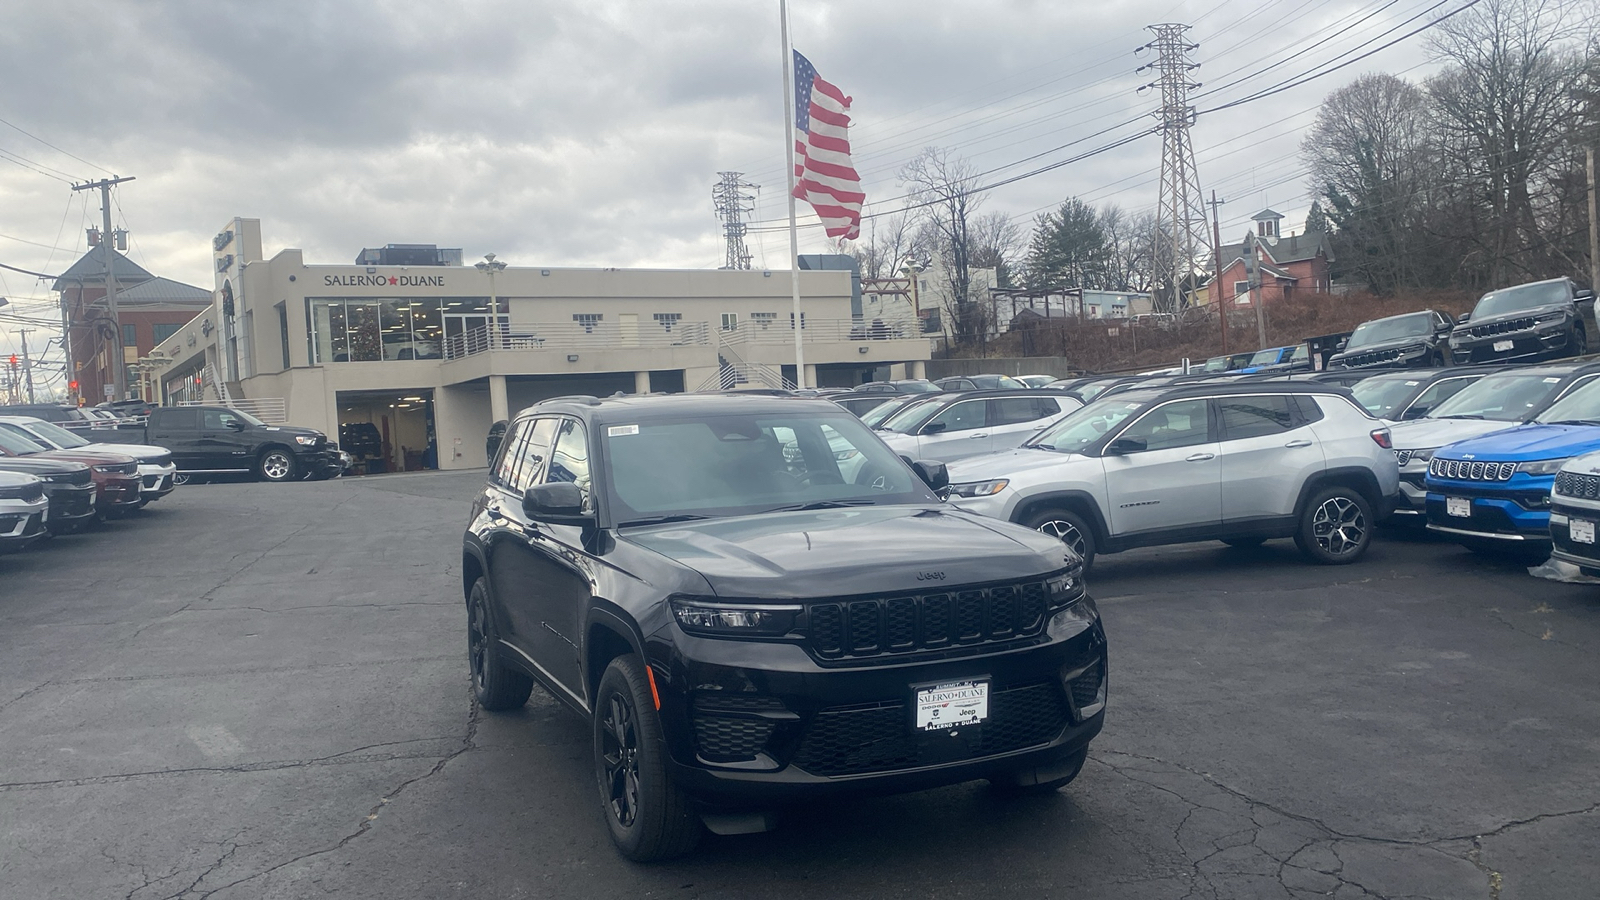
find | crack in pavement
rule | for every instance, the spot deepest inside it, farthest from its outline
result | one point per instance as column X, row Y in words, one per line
column 38, row 687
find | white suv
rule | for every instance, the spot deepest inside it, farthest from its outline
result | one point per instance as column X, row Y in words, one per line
column 1240, row 463
column 960, row 425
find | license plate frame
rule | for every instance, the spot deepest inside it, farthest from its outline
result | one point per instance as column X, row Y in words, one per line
column 1581, row 531
column 950, row 705
column 1503, row 346
column 1460, row 507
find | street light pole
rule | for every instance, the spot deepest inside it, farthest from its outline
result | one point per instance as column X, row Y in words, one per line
column 492, row 267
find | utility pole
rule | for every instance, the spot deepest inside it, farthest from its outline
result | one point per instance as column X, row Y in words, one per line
column 119, row 374
column 732, row 200
column 1258, row 297
column 1180, row 208
column 1216, row 261
column 27, row 364
column 1594, row 223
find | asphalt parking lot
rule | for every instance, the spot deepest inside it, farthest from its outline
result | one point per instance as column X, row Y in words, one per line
column 260, row 691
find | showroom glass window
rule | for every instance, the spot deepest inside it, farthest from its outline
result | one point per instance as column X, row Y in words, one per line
column 391, row 329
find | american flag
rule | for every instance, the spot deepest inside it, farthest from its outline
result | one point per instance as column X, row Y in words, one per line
column 824, row 175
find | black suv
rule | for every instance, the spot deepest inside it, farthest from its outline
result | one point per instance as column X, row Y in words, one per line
column 755, row 602
column 1412, row 340
column 1539, row 320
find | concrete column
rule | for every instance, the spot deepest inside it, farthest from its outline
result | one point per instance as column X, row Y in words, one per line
column 641, row 382
column 916, row 369
column 499, row 408
column 811, row 375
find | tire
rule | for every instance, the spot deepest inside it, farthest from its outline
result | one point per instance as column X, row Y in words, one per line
column 1022, row 783
column 1335, row 526
column 276, row 465
column 1244, row 543
column 1579, row 342
column 497, row 687
column 179, row 478
column 1068, row 526
column 1438, row 360
column 650, row 818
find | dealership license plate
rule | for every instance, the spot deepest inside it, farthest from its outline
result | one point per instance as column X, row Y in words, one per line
column 951, row 705
column 1581, row 532
column 1458, row 506
column 1503, row 346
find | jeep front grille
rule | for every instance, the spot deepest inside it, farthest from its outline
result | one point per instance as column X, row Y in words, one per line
column 1572, row 484
column 1506, row 327
column 872, row 627
column 1469, row 470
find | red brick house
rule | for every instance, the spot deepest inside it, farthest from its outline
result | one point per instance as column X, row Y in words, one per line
column 1288, row 265
column 150, row 309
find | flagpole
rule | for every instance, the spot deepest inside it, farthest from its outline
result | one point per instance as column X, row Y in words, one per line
column 794, row 235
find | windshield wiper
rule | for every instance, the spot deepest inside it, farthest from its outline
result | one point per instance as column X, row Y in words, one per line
column 1462, row 416
column 822, row 504
column 1573, row 422
column 661, row 520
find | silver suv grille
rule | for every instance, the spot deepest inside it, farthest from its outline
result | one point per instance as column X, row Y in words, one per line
column 1468, row 470
column 1572, row 484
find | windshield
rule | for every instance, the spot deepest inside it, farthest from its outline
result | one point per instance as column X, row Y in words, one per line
column 1094, row 389
column 1502, row 398
column 1266, row 357
column 1385, row 330
column 1383, row 397
column 1581, row 407
column 15, row 443
column 1087, row 425
column 1006, row 382
column 873, row 417
column 246, row 416
column 742, row 464
column 55, row 434
column 1523, row 296
column 911, row 416
column 918, row 387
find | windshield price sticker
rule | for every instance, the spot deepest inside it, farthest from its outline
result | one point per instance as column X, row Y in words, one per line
column 1582, row 532
column 951, row 705
column 619, row 430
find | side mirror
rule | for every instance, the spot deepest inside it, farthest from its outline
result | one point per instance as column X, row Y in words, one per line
column 1415, row 412
column 1124, row 446
column 560, row 502
column 1462, row 319
column 1582, row 294
column 934, row 427
column 1343, row 343
column 933, row 474
column 236, row 425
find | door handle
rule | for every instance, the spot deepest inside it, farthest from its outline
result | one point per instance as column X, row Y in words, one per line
column 1295, row 445
column 1201, row 457
column 974, row 436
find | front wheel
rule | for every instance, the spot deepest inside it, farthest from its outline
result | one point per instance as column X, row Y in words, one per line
column 497, row 686
column 649, row 816
column 1580, row 342
column 1335, row 526
column 1067, row 527
column 276, row 465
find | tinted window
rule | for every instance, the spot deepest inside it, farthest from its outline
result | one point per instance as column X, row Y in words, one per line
column 569, row 461
column 1180, row 424
column 1502, row 398
column 1523, row 296
column 1393, row 329
column 1435, row 395
column 529, row 463
column 221, row 419
column 505, row 462
column 1383, row 397
column 180, row 418
column 16, row 445
column 1077, row 431
column 1581, row 407
column 1013, row 410
column 1248, row 417
column 963, row 416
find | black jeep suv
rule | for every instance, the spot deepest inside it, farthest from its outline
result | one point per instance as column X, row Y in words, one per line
column 755, row 602
column 1526, row 322
column 1411, row 340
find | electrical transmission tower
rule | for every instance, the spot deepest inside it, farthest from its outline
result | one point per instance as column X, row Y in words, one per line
column 1180, row 239
column 733, row 202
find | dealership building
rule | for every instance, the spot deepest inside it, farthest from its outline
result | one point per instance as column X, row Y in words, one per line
column 420, row 353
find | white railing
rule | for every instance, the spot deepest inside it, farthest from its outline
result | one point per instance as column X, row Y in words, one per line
column 271, row 410
column 824, row 330
column 732, row 376
column 565, row 336
column 209, row 378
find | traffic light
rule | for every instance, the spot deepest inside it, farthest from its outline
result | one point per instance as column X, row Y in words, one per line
column 13, row 360
column 72, row 386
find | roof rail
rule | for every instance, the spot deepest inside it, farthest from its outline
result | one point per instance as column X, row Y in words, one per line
column 586, row 399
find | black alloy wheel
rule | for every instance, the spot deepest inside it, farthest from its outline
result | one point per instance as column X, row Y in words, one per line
column 1068, row 527
column 649, row 816
column 496, row 686
column 1335, row 526
column 1579, row 341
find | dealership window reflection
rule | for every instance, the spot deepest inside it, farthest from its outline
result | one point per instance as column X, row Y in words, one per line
column 368, row 330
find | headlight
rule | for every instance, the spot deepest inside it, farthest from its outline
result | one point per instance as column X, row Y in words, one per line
column 306, row 440
column 1423, row 455
column 734, row 620
column 1548, row 318
column 1065, row 589
column 979, row 488
column 1542, row 466
column 843, row 455
column 118, row 469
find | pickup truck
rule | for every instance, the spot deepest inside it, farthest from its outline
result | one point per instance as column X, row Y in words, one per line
column 217, row 439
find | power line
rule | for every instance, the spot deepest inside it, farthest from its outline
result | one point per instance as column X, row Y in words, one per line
column 41, row 140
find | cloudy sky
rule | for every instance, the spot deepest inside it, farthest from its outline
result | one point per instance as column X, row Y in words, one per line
column 589, row 133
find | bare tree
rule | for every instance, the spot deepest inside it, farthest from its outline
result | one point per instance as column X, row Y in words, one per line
column 996, row 243
column 944, row 188
column 887, row 243
column 1132, row 241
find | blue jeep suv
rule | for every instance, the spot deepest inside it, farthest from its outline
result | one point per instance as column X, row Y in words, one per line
column 1494, row 491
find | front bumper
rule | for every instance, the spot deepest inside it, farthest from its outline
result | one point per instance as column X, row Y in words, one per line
column 1563, row 546
column 1412, row 500
column 755, row 730
column 22, row 523
column 1409, row 358
column 156, row 482
column 119, row 492
column 71, row 506
column 319, row 462
column 1547, row 342
column 1510, row 514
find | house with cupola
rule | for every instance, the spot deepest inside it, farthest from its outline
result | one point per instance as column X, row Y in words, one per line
column 1269, row 265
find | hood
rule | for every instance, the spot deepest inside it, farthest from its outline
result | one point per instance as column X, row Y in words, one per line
column 33, row 465
column 1006, row 464
column 847, row 552
column 1528, row 442
column 1429, row 434
column 1587, row 464
column 289, row 430
column 88, row 456
column 140, row 452
column 1406, row 343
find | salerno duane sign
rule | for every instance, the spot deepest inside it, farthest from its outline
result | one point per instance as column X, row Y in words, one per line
column 383, row 281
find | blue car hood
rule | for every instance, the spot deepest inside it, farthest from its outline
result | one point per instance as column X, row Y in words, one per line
column 1527, row 442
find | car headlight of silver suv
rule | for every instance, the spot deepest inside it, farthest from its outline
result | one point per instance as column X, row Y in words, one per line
column 1542, row 466
column 979, row 488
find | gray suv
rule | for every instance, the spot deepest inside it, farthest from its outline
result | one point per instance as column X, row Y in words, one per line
column 1239, row 463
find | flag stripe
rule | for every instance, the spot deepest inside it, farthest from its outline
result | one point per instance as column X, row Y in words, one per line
column 825, row 177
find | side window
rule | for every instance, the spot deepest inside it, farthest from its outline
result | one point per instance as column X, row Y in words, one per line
column 219, row 420
column 1248, row 417
column 963, row 416
column 180, row 419
column 1180, row 424
column 1439, row 392
column 531, row 455
column 569, row 461
column 505, row 464
column 1578, row 383
column 1013, row 410
column 1048, row 406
